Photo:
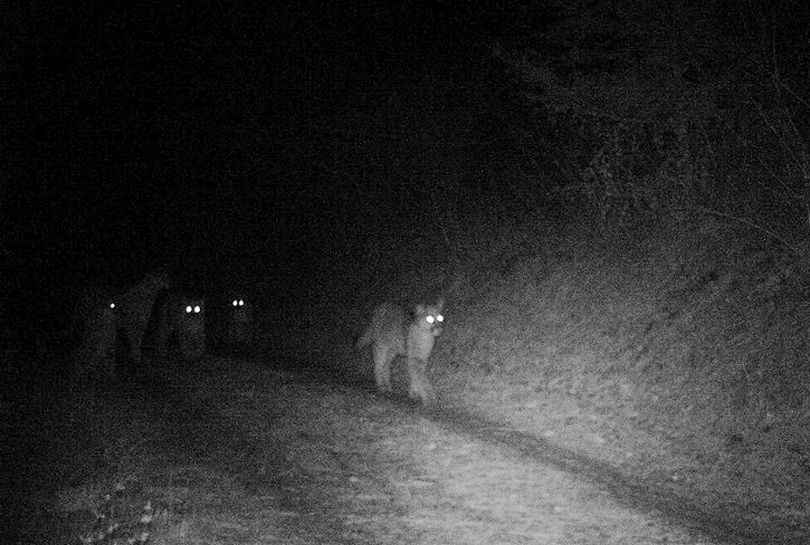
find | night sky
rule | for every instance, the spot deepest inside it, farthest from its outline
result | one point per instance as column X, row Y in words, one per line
column 229, row 142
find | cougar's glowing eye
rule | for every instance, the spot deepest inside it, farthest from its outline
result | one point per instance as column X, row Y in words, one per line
column 429, row 319
column 439, row 318
column 235, row 302
column 188, row 309
column 241, row 302
column 112, row 305
column 197, row 309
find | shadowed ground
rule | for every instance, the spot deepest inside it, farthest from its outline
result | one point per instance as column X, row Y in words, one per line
column 228, row 452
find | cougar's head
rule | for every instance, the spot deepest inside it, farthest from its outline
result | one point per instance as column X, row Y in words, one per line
column 430, row 317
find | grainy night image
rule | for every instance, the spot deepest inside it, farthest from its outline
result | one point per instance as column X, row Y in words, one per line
column 405, row 272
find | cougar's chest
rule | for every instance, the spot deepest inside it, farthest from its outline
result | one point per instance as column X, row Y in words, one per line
column 420, row 340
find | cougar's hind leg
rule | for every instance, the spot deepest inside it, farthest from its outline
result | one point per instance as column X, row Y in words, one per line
column 418, row 386
column 377, row 358
column 382, row 368
column 413, row 387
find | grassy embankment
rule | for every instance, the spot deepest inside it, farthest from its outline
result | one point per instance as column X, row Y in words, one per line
column 677, row 354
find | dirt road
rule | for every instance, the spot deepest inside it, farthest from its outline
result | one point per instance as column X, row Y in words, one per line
column 242, row 454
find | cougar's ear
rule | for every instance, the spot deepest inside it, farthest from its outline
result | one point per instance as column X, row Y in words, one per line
column 420, row 309
column 439, row 304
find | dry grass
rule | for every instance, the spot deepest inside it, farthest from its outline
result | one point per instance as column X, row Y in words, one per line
column 680, row 353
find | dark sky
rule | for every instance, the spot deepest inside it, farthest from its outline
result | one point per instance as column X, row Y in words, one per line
column 221, row 138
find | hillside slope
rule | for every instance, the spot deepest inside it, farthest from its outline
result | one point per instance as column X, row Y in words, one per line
column 676, row 354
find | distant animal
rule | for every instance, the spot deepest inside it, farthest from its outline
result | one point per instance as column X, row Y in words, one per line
column 230, row 324
column 94, row 332
column 135, row 307
column 178, row 321
column 393, row 332
column 94, row 358
column 239, row 329
column 108, row 324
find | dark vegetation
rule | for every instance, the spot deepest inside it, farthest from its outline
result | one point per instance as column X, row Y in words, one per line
column 680, row 133
column 682, row 130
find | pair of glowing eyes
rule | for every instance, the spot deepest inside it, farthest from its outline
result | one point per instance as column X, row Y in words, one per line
column 438, row 318
column 238, row 302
